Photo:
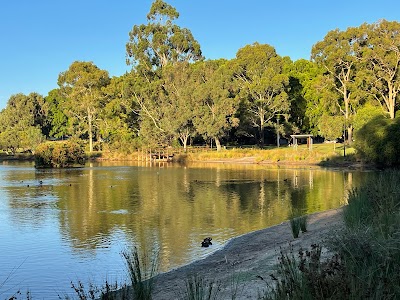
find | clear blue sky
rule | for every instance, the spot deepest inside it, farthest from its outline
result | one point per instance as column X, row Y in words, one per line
column 40, row 39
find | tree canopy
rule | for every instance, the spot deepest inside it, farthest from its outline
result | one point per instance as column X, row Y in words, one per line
column 82, row 85
column 172, row 96
column 161, row 41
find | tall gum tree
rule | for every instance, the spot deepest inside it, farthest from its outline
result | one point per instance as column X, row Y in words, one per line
column 177, row 101
column 340, row 53
column 160, row 41
column 263, row 84
column 152, row 47
column 119, row 124
column 82, row 85
column 305, row 109
column 215, row 103
column 382, row 56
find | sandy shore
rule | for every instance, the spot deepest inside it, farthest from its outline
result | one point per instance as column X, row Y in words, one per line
column 248, row 258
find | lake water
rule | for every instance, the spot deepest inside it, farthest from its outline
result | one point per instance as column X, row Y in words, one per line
column 58, row 226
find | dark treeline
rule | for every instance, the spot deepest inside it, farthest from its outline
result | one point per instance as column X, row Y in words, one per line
column 173, row 96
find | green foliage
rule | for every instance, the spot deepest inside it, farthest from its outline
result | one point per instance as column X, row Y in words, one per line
column 339, row 54
column 366, row 114
column 262, row 83
column 171, row 95
column 331, row 127
column 305, row 97
column 59, row 155
column 378, row 141
column 141, row 273
column 23, row 111
column 57, row 121
column 22, row 122
column 381, row 64
column 177, row 101
column 366, row 255
column 82, row 86
column 160, row 41
column 309, row 277
column 295, row 227
column 303, row 223
column 376, row 204
column 297, row 223
column 371, row 246
column 215, row 104
column 118, row 122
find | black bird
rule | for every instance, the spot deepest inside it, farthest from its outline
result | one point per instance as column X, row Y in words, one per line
column 206, row 242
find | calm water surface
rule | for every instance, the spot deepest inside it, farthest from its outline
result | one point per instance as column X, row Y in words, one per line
column 58, row 226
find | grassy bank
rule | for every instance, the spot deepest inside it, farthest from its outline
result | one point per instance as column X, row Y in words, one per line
column 365, row 257
column 301, row 154
column 326, row 154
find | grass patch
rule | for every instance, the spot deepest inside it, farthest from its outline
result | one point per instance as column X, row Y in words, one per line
column 198, row 288
column 365, row 256
column 295, row 227
column 301, row 154
column 297, row 223
column 141, row 273
column 303, row 223
column 308, row 277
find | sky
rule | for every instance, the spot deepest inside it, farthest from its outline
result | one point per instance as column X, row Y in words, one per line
column 42, row 38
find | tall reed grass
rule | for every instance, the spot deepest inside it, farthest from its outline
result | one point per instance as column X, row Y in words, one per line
column 365, row 259
column 141, row 272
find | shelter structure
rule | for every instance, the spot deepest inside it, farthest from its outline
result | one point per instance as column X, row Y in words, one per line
column 297, row 137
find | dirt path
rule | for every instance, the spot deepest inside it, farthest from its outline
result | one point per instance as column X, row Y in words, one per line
column 247, row 257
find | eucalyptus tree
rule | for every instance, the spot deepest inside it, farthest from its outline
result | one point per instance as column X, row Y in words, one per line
column 21, row 122
column 382, row 55
column 215, row 103
column 147, row 95
column 259, row 71
column 176, row 101
column 160, row 41
column 82, row 86
column 306, row 108
column 150, row 49
column 340, row 54
column 119, row 119
column 57, row 120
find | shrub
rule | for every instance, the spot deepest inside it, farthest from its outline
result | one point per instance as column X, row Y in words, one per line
column 377, row 141
column 308, row 277
column 61, row 154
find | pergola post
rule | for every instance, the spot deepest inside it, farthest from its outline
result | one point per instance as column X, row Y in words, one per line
column 309, row 138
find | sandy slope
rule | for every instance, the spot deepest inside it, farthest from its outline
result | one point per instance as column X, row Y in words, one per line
column 247, row 257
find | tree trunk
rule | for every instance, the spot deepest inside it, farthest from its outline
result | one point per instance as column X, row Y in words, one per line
column 262, row 139
column 218, row 144
column 261, row 114
column 90, row 131
column 391, row 112
column 350, row 135
column 184, row 139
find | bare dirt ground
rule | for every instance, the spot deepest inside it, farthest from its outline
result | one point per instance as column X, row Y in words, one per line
column 248, row 258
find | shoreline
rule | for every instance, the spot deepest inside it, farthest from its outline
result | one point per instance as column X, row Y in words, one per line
column 248, row 259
